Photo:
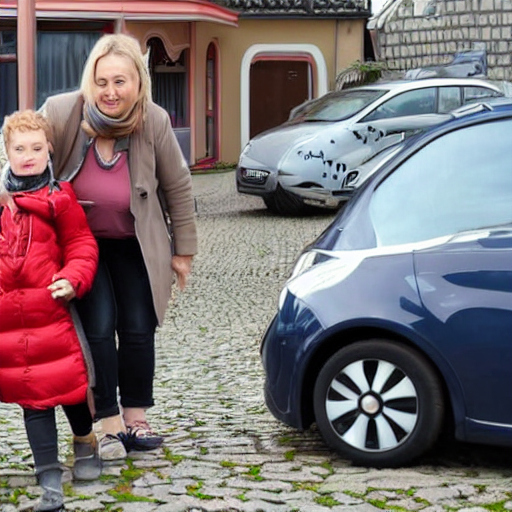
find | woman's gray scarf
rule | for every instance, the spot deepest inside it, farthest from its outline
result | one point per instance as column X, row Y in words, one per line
column 98, row 124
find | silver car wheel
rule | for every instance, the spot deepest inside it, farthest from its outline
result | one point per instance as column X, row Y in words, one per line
column 372, row 405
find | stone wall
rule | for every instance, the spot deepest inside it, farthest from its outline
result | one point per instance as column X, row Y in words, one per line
column 409, row 34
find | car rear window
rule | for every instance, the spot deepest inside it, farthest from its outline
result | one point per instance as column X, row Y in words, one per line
column 458, row 182
column 342, row 105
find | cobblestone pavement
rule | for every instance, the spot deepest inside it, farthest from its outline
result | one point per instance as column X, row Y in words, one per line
column 223, row 450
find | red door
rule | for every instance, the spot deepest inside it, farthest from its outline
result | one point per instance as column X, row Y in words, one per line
column 276, row 86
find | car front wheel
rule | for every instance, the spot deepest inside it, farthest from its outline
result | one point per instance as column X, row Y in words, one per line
column 282, row 202
column 378, row 403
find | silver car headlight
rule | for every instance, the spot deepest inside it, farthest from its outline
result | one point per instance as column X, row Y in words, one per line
column 316, row 270
column 305, row 262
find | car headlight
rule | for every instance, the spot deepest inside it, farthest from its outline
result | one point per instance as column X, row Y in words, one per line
column 315, row 271
column 305, row 262
column 246, row 149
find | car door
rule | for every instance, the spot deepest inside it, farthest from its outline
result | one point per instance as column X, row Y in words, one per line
column 466, row 289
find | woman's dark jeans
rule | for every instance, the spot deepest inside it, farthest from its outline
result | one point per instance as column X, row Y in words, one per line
column 120, row 302
column 42, row 432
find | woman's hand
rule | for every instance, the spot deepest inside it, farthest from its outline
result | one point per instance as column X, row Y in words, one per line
column 182, row 266
column 62, row 289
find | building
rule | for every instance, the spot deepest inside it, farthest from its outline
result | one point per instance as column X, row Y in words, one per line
column 410, row 34
column 223, row 70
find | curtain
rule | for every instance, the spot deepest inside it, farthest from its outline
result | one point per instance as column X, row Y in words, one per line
column 8, row 89
column 60, row 59
column 169, row 91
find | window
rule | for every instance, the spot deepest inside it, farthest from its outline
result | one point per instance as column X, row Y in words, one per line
column 411, row 103
column 460, row 181
column 60, row 60
column 449, row 99
column 478, row 93
column 211, row 101
column 169, row 82
column 338, row 106
column 8, row 73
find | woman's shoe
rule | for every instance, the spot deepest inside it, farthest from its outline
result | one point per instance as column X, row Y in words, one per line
column 87, row 465
column 140, row 437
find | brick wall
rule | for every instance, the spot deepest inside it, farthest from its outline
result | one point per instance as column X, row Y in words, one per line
column 405, row 38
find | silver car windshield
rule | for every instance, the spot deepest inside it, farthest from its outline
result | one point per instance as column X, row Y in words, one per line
column 340, row 106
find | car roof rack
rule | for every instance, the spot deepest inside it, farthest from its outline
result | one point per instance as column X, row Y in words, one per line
column 472, row 108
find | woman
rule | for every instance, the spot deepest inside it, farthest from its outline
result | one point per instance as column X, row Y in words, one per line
column 119, row 151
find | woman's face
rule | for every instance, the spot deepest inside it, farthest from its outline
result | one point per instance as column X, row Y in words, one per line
column 116, row 85
column 28, row 152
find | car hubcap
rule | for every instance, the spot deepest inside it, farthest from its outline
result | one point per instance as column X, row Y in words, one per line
column 372, row 405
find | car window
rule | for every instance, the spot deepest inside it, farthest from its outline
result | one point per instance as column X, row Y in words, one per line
column 450, row 98
column 411, row 103
column 460, row 181
column 341, row 106
column 478, row 93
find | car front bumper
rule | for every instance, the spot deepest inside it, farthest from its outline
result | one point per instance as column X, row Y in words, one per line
column 284, row 357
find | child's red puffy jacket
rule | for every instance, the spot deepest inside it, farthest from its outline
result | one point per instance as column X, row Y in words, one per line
column 47, row 238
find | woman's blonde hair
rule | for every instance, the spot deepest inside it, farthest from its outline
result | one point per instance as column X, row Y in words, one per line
column 25, row 121
column 122, row 45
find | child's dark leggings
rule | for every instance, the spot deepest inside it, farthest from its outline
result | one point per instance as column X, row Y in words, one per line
column 42, row 432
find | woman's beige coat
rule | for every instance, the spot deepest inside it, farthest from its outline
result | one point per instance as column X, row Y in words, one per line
column 155, row 162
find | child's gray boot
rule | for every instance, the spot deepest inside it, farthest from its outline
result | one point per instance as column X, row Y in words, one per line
column 87, row 464
column 52, row 499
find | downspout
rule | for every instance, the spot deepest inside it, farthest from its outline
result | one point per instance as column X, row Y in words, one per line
column 120, row 26
column 336, row 43
column 192, row 91
column 26, row 53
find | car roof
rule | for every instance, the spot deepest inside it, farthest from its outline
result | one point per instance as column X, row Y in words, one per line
column 428, row 82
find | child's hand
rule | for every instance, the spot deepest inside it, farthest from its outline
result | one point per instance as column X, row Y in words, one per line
column 62, row 289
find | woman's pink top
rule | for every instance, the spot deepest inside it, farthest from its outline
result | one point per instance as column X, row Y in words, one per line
column 108, row 190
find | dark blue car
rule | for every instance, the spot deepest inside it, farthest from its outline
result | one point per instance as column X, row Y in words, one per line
column 397, row 320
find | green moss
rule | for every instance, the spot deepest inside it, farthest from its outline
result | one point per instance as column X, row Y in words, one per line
column 354, row 494
column 14, row 495
column 327, row 501
column 127, row 496
column 254, row 473
column 171, row 457
column 305, row 486
column 242, row 497
column 290, row 455
column 228, row 464
column 499, row 506
column 195, row 490
column 327, row 465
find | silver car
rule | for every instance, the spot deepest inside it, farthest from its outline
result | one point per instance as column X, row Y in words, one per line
column 301, row 165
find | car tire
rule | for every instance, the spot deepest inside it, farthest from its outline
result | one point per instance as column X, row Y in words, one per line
column 285, row 203
column 378, row 403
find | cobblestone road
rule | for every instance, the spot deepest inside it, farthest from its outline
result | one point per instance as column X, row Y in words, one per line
column 223, row 450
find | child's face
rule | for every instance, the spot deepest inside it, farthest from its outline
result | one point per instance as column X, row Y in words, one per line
column 28, row 152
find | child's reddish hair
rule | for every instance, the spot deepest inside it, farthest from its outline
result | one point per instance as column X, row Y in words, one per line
column 25, row 121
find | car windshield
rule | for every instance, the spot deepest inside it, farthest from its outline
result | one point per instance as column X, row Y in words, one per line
column 459, row 182
column 341, row 105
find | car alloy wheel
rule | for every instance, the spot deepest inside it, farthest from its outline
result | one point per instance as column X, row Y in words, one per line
column 378, row 403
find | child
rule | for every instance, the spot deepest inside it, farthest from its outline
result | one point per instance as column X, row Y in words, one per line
column 48, row 256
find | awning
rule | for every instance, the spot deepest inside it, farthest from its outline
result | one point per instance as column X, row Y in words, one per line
column 128, row 10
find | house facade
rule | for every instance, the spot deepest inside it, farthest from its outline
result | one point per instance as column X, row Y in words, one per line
column 224, row 70
column 410, row 34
